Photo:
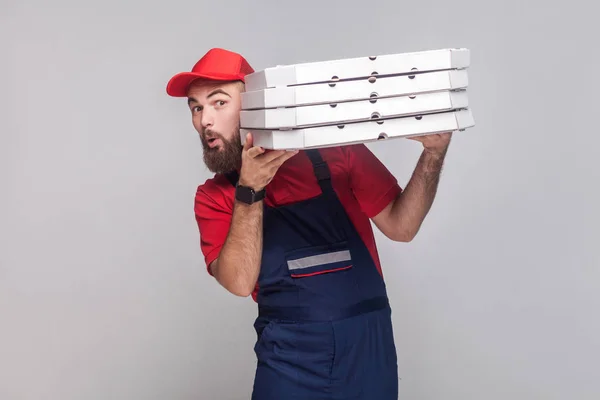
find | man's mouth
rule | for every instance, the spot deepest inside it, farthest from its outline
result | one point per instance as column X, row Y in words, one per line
column 212, row 142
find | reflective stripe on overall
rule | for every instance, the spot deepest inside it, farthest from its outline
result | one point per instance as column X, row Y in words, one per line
column 324, row 325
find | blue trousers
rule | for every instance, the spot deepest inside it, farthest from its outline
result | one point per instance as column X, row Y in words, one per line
column 353, row 358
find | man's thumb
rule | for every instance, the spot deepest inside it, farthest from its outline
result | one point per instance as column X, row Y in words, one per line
column 249, row 141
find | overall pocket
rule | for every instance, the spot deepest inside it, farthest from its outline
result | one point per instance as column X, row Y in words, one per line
column 318, row 260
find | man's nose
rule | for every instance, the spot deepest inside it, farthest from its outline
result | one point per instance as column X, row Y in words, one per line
column 207, row 119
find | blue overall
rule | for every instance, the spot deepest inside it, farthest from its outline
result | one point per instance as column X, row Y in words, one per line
column 324, row 322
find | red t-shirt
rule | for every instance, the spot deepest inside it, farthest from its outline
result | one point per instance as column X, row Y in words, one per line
column 363, row 184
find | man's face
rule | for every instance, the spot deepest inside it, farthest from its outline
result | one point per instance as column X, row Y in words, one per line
column 215, row 108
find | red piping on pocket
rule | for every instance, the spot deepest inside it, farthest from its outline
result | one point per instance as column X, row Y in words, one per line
column 320, row 272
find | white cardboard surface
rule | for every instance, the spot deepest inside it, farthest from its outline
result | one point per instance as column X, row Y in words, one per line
column 342, row 113
column 360, row 67
column 361, row 132
column 323, row 93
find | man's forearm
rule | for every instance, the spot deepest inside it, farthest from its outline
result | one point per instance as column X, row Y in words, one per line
column 412, row 206
column 239, row 261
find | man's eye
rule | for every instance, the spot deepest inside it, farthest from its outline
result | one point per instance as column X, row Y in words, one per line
column 197, row 109
column 221, row 102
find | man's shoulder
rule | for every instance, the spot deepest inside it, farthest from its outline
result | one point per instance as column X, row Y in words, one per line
column 344, row 151
column 216, row 182
column 345, row 156
column 215, row 190
column 335, row 153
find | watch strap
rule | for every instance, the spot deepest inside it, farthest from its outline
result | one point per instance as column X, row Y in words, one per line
column 248, row 195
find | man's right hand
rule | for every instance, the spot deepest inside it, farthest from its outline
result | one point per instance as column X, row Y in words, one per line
column 258, row 166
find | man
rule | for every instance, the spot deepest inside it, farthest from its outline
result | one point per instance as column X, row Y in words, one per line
column 292, row 229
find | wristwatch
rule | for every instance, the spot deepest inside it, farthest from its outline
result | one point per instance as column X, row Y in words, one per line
column 248, row 195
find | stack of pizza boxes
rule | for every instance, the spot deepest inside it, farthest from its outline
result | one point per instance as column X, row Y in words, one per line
column 357, row 100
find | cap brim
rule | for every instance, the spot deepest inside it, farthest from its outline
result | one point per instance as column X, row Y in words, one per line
column 178, row 85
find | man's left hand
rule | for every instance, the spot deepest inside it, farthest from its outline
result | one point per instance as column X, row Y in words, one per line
column 434, row 143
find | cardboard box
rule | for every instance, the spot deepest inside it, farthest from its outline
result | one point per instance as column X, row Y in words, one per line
column 361, row 67
column 363, row 89
column 355, row 111
column 361, row 132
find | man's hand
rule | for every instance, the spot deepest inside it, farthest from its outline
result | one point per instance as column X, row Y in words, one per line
column 436, row 144
column 259, row 166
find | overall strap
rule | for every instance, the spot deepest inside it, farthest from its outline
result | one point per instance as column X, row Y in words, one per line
column 321, row 170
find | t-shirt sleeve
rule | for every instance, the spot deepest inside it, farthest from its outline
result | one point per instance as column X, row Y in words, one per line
column 372, row 183
column 213, row 215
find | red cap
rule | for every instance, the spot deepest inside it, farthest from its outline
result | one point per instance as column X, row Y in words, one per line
column 217, row 64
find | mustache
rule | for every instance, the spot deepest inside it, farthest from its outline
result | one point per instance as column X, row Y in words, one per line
column 210, row 134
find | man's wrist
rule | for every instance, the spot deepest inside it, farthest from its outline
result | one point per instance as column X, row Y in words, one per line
column 256, row 188
column 436, row 153
column 248, row 195
column 431, row 162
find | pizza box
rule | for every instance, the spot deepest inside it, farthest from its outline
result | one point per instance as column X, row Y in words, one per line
column 356, row 111
column 361, row 132
column 362, row 89
column 360, row 67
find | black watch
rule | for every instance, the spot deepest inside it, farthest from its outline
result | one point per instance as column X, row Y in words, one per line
column 248, row 195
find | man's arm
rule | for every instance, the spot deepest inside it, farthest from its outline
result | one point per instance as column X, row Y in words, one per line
column 239, row 261
column 238, row 264
column 402, row 218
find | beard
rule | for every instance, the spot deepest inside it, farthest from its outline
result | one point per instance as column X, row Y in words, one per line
column 225, row 158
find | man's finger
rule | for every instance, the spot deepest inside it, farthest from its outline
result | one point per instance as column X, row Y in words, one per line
column 249, row 142
column 279, row 160
column 273, row 155
column 255, row 151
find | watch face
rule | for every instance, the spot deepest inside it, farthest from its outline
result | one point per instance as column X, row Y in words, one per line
column 248, row 195
column 244, row 194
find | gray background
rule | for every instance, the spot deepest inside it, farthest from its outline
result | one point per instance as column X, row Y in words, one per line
column 103, row 290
